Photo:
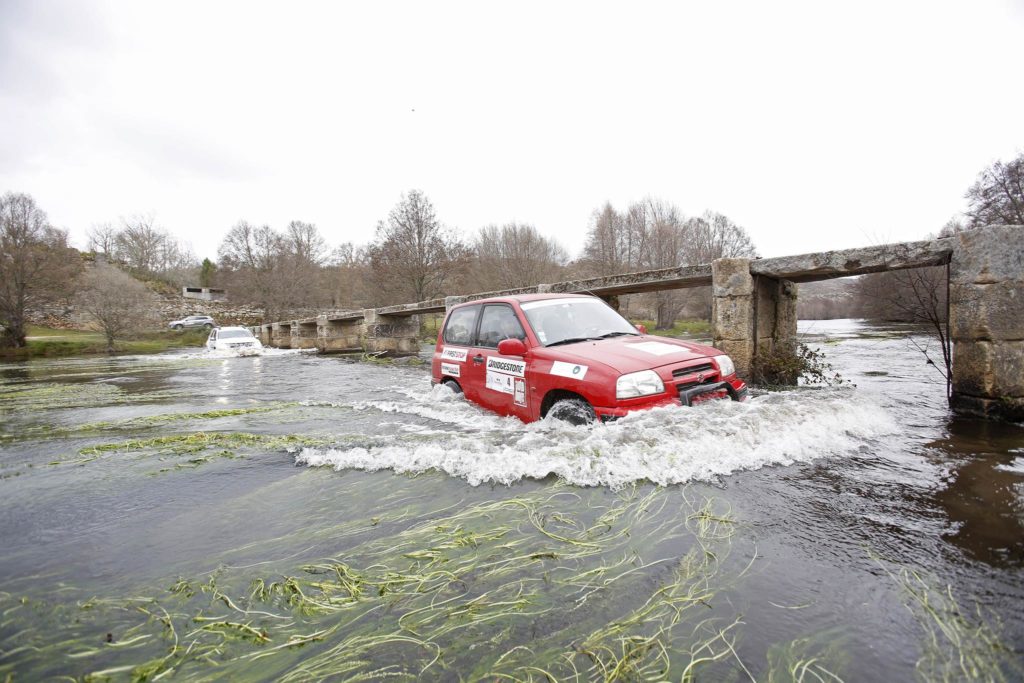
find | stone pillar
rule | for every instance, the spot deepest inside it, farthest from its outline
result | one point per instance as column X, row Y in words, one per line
column 337, row 335
column 774, row 313
column 393, row 335
column 304, row 334
column 751, row 315
column 732, row 311
column 281, row 335
column 265, row 334
column 986, row 302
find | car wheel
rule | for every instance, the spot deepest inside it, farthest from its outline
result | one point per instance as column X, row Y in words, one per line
column 176, row 328
column 453, row 385
column 207, row 326
column 575, row 411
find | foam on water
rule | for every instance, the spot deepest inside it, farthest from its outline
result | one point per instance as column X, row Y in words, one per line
column 665, row 446
column 220, row 354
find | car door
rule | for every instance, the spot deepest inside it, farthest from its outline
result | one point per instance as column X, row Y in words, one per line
column 503, row 377
column 454, row 351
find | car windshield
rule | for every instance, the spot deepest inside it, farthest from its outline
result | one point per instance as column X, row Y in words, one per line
column 234, row 334
column 562, row 321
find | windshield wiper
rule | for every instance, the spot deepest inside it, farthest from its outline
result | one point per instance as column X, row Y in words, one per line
column 571, row 340
column 608, row 335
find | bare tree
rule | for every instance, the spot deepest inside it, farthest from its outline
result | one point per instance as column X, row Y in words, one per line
column 515, row 255
column 653, row 234
column 146, row 249
column 102, row 239
column 36, row 264
column 414, row 257
column 115, row 302
column 714, row 236
column 250, row 258
column 346, row 277
column 279, row 272
column 658, row 229
column 603, row 252
column 305, row 243
column 138, row 243
column 997, row 197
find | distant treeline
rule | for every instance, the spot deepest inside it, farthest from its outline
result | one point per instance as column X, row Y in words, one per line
column 414, row 256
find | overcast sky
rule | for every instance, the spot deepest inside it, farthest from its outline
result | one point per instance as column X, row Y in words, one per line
column 812, row 125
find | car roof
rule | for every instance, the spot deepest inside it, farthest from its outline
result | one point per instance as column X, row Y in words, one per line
column 523, row 298
column 233, row 327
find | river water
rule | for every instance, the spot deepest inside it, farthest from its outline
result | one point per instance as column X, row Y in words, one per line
column 304, row 517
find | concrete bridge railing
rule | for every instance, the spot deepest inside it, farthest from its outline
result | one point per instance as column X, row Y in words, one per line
column 754, row 308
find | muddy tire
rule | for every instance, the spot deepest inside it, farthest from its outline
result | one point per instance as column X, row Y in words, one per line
column 207, row 326
column 453, row 385
column 575, row 411
column 177, row 328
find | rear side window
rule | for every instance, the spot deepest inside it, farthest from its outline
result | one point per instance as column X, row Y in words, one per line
column 497, row 323
column 459, row 328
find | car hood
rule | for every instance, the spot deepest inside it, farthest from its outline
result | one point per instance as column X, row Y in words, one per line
column 628, row 354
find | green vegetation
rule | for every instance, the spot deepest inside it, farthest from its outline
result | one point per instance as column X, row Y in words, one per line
column 786, row 364
column 45, row 342
column 225, row 443
column 681, row 328
column 430, row 325
column 958, row 645
column 543, row 586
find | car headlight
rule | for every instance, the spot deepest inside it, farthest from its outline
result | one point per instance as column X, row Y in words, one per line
column 725, row 366
column 641, row 383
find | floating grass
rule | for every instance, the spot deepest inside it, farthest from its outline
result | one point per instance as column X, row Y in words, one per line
column 552, row 585
column 959, row 645
column 194, row 443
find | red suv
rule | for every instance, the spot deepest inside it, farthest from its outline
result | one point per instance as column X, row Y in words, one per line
column 571, row 356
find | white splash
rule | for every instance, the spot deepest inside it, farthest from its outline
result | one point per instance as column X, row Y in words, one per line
column 665, row 446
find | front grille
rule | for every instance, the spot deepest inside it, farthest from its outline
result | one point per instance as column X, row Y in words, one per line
column 706, row 368
column 695, row 375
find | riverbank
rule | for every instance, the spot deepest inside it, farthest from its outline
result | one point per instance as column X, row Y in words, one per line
column 49, row 342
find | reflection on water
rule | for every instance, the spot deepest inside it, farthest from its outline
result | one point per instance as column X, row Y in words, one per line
column 302, row 516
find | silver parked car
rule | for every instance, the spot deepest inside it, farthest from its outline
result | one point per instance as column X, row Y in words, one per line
column 193, row 321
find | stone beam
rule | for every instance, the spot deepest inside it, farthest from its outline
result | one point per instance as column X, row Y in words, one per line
column 847, row 262
column 343, row 315
column 429, row 306
column 636, row 283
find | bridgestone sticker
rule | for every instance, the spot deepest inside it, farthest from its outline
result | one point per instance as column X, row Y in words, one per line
column 570, row 370
column 449, row 353
column 449, row 369
column 657, row 348
column 509, row 367
column 502, row 375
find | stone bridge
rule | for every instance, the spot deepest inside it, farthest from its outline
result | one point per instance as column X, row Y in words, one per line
column 754, row 308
